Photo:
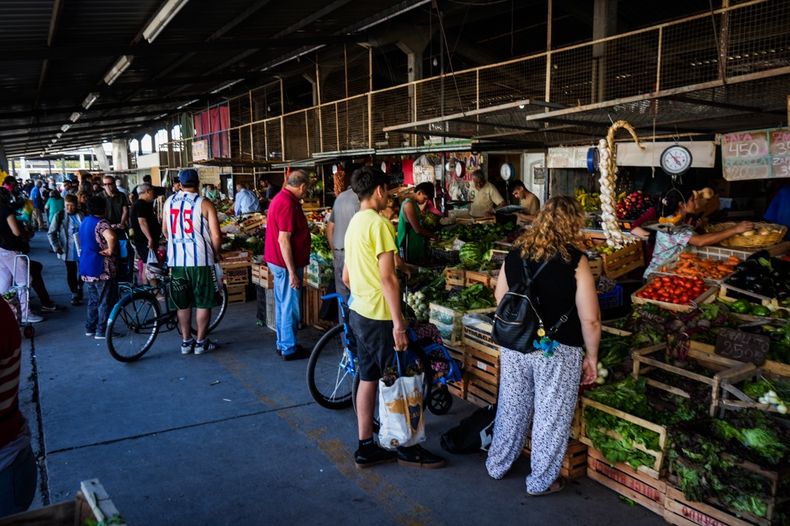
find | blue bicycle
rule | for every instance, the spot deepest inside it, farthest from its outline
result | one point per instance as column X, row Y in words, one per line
column 332, row 371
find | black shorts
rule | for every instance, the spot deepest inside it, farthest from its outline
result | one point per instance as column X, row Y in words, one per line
column 375, row 345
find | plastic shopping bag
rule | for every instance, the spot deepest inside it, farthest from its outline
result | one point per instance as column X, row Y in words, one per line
column 152, row 258
column 401, row 411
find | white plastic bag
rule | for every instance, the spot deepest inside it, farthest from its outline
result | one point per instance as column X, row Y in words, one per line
column 401, row 412
column 152, row 258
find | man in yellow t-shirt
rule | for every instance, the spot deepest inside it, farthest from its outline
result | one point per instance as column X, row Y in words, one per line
column 485, row 197
column 375, row 318
column 526, row 200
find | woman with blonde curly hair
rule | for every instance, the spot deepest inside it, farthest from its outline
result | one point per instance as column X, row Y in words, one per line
column 540, row 384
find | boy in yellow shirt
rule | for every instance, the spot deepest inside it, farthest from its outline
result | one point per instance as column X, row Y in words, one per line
column 375, row 318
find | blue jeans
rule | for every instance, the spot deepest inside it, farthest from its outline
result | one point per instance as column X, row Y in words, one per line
column 286, row 308
column 101, row 299
column 18, row 483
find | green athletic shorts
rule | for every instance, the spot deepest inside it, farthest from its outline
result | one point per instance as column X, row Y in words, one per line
column 193, row 287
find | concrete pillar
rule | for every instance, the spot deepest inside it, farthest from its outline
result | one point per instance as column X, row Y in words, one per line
column 120, row 155
column 101, row 158
column 82, row 161
column 314, row 85
column 63, row 166
column 604, row 25
column 23, row 169
column 414, row 53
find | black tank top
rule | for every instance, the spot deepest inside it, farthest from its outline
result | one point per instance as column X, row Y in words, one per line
column 555, row 289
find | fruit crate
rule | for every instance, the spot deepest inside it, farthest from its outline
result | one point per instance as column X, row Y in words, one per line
column 645, row 361
column 574, row 463
column 237, row 293
column 92, row 505
column 235, row 259
column 706, row 297
column 252, row 223
column 454, row 277
column 482, row 364
column 477, row 334
column 261, row 275
column 653, row 471
column 621, row 261
column 480, row 392
column 637, row 486
column 236, row 276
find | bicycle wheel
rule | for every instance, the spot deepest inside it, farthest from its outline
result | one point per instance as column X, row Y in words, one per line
column 133, row 326
column 328, row 376
column 217, row 313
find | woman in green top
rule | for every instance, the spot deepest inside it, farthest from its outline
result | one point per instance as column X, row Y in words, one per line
column 413, row 244
column 53, row 205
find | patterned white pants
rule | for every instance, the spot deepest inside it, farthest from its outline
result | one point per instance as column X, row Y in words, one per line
column 546, row 387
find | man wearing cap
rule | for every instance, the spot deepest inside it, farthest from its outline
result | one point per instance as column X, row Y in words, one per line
column 287, row 251
column 191, row 227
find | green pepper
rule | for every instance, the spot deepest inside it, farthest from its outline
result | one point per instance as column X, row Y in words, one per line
column 740, row 306
column 760, row 310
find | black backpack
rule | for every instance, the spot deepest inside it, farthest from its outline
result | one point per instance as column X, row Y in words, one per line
column 472, row 434
column 517, row 321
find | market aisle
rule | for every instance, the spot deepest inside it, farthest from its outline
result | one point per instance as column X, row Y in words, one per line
column 234, row 438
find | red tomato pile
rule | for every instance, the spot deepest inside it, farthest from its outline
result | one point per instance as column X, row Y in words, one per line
column 673, row 289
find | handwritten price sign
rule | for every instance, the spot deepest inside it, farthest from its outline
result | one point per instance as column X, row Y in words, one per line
column 756, row 155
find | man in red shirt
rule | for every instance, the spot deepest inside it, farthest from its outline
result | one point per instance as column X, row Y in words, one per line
column 287, row 251
column 17, row 463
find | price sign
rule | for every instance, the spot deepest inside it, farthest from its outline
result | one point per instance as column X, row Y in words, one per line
column 742, row 346
column 756, row 155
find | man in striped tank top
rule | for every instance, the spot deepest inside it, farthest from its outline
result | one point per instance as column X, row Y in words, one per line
column 191, row 226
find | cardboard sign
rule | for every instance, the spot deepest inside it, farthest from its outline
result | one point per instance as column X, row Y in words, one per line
column 742, row 346
column 762, row 154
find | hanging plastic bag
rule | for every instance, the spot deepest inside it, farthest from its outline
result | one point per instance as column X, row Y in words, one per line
column 152, row 258
column 401, row 410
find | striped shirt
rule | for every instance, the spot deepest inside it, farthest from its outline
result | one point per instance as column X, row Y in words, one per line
column 189, row 242
column 12, row 423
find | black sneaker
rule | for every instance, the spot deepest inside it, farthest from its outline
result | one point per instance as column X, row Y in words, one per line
column 300, row 353
column 372, row 456
column 416, row 456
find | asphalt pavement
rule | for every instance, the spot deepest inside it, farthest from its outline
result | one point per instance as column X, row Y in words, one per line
column 233, row 437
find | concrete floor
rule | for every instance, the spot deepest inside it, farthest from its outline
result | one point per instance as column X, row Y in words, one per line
column 233, row 437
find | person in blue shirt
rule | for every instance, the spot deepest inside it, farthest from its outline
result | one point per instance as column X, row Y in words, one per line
column 245, row 201
column 37, row 196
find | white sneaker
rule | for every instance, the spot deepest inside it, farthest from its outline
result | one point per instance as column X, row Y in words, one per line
column 32, row 318
column 89, row 333
column 206, row 346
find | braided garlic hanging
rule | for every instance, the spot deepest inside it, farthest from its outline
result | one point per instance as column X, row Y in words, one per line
column 607, row 165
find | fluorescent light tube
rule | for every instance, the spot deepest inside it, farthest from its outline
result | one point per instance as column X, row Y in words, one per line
column 75, row 116
column 187, row 104
column 89, row 100
column 65, row 128
column 117, row 69
column 162, row 17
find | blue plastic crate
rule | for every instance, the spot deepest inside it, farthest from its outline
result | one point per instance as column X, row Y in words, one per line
column 611, row 299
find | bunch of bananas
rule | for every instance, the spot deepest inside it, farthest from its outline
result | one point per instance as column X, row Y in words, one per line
column 590, row 202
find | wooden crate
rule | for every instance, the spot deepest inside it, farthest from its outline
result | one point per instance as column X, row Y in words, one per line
column 770, row 366
column 459, row 388
column 682, row 512
column 454, row 276
column 729, row 294
column 237, row 293
column 449, row 321
column 624, row 480
column 574, row 463
column 311, row 306
column 621, row 261
column 261, row 276
column 481, row 393
column 653, row 471
column 727, row 370
column 477, row 335
column 482, row 365
column 236, row 276
column 252, row 223
column 706, row 297
column 473, row 277
column 92, row 503
column 740, row 399
column 721, row 253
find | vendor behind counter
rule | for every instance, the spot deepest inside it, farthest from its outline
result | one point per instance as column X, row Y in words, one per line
column 485, row 196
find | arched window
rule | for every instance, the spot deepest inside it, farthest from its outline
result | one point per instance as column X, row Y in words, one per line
column 147, row 144
column 160, row 138
column 175, row 133
column 134, row 146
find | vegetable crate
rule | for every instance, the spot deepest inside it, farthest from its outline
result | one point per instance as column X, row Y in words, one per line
column 454, row 277
column 252, row 223
column 574, row 463
column 721, row 253
column 449, row 321
column 682, row 512
column 473, row 277
column 652, row 471
column 477, row 335
column 770, row 366
column 261, row 276
column 645, row 362
column 237, row 293
column 706, row 297
column 318, row 274
column 311, row 306
column 482, row 365
column 621, row 261
column 91, row 505
column 730, row 294
column 643, row 489
column 741, row 400
column 236, row 259
column 480, row 392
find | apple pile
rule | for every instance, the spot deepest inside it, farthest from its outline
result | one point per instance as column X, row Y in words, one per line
column 632, row 205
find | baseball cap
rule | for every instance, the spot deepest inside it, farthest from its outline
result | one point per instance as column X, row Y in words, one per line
column 188, row 177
